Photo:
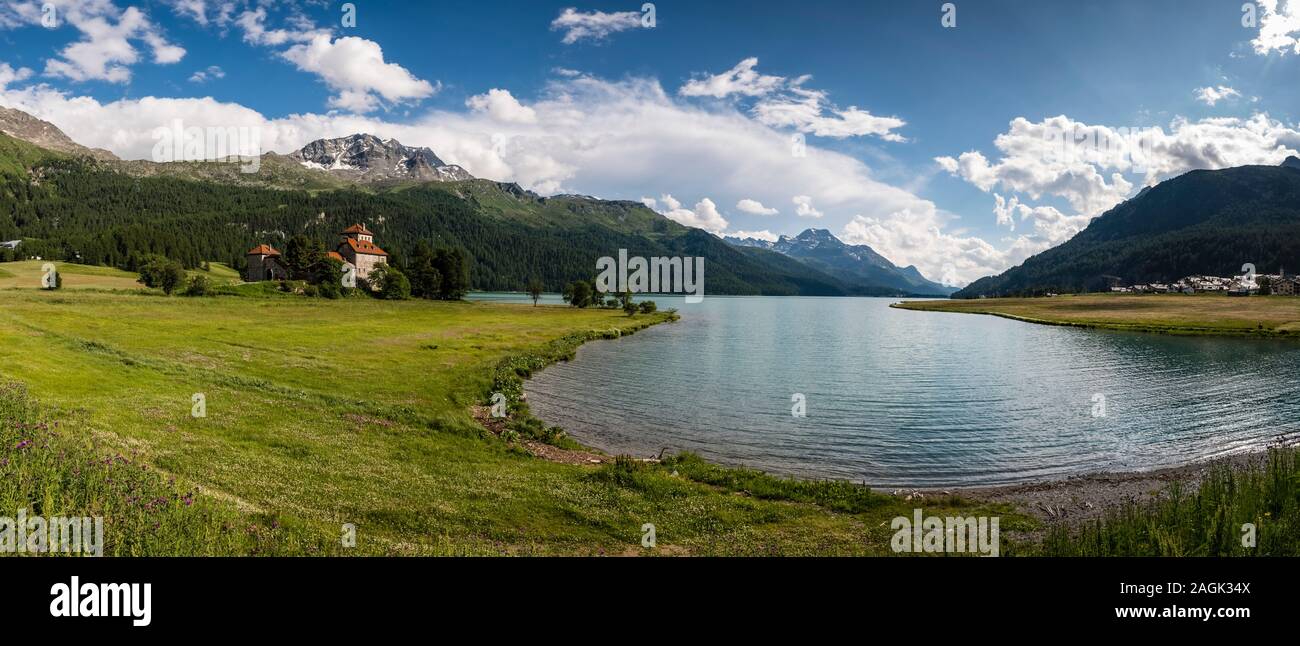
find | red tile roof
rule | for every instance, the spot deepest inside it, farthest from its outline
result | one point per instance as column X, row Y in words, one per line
column 335, row 255
column 357, row 228
column 263, row 250
column 361, row 247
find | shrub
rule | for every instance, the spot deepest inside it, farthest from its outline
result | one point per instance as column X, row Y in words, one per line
column 389, row 283
column 198, row 286
column 159, row 272
column 648, row 307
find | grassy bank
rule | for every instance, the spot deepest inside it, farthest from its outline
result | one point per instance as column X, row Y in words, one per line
column 1207, row 520
column 1203, row 314
column 325, row 413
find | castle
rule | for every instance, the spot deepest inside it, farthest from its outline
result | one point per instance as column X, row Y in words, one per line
column 356, row 249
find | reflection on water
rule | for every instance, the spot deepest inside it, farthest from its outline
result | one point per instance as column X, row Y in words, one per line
column 915, row 398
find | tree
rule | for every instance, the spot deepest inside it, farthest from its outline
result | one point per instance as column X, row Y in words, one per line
column 578, row 294
column 453, row 267
column 426, row 279
column 648, row 307
column 390, row 283
column 159, row 272
column 328, row 276
column 300, row 255
column 629, row 306
column 328, row 270
column 535, row 289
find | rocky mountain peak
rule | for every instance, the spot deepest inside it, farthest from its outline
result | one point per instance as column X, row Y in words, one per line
column 365, row 157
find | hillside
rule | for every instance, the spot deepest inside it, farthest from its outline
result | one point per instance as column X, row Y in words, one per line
column 111, row 213
column 1203, row 222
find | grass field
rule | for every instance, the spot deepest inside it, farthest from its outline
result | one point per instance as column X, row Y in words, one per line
column 1164, row 313
column 325, row 413
column 27, row 274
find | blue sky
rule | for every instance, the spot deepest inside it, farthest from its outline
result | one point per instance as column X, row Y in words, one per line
column 908, row 124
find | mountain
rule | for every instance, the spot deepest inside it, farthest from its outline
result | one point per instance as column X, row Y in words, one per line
column 857, row 265
column 25, row 127
column 1203, row 222
column 367, row 158
column 87, row 210
column 69, row 202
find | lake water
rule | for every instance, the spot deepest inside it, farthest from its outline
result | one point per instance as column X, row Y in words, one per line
column 902, row 398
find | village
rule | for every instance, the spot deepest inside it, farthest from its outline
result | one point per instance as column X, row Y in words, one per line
column 1262, row 284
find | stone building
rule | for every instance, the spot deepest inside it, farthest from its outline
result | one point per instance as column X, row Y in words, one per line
column 264, row 264
column 358, row 248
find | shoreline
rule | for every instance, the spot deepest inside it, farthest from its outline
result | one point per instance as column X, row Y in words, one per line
column 1072, row 499
column 1222, row 327
column 1088, row 497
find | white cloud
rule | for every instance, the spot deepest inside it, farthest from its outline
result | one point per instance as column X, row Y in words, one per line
column 1049, row 227
column 786, row 103
column 803, row 207
column 105, row 51
column 502, row 106
column 1062, row 158
column 1279, row 27
column 614, row 139
column 355, row 69
column 196, row 10
column 253, row 23
column 595, row 25
column 805, row 111
column 211, row 73
column 704, row 216
column 204, row 12
column 918, row 237
column 1086, row 165
column 764, row 235
column 754, row 207
column 1212, row 95
column 10, row 75
column 741, row 79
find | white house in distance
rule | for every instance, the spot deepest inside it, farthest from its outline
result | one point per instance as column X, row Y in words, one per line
column 356, row 249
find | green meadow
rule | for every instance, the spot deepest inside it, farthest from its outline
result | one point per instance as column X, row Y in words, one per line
column 321, row 414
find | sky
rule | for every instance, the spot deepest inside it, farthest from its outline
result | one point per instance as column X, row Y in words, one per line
column 961, row 137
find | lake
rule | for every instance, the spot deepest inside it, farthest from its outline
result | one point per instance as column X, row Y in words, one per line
column 904, row 398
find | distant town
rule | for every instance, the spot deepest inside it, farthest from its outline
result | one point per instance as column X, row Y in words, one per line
column 1261, row 284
